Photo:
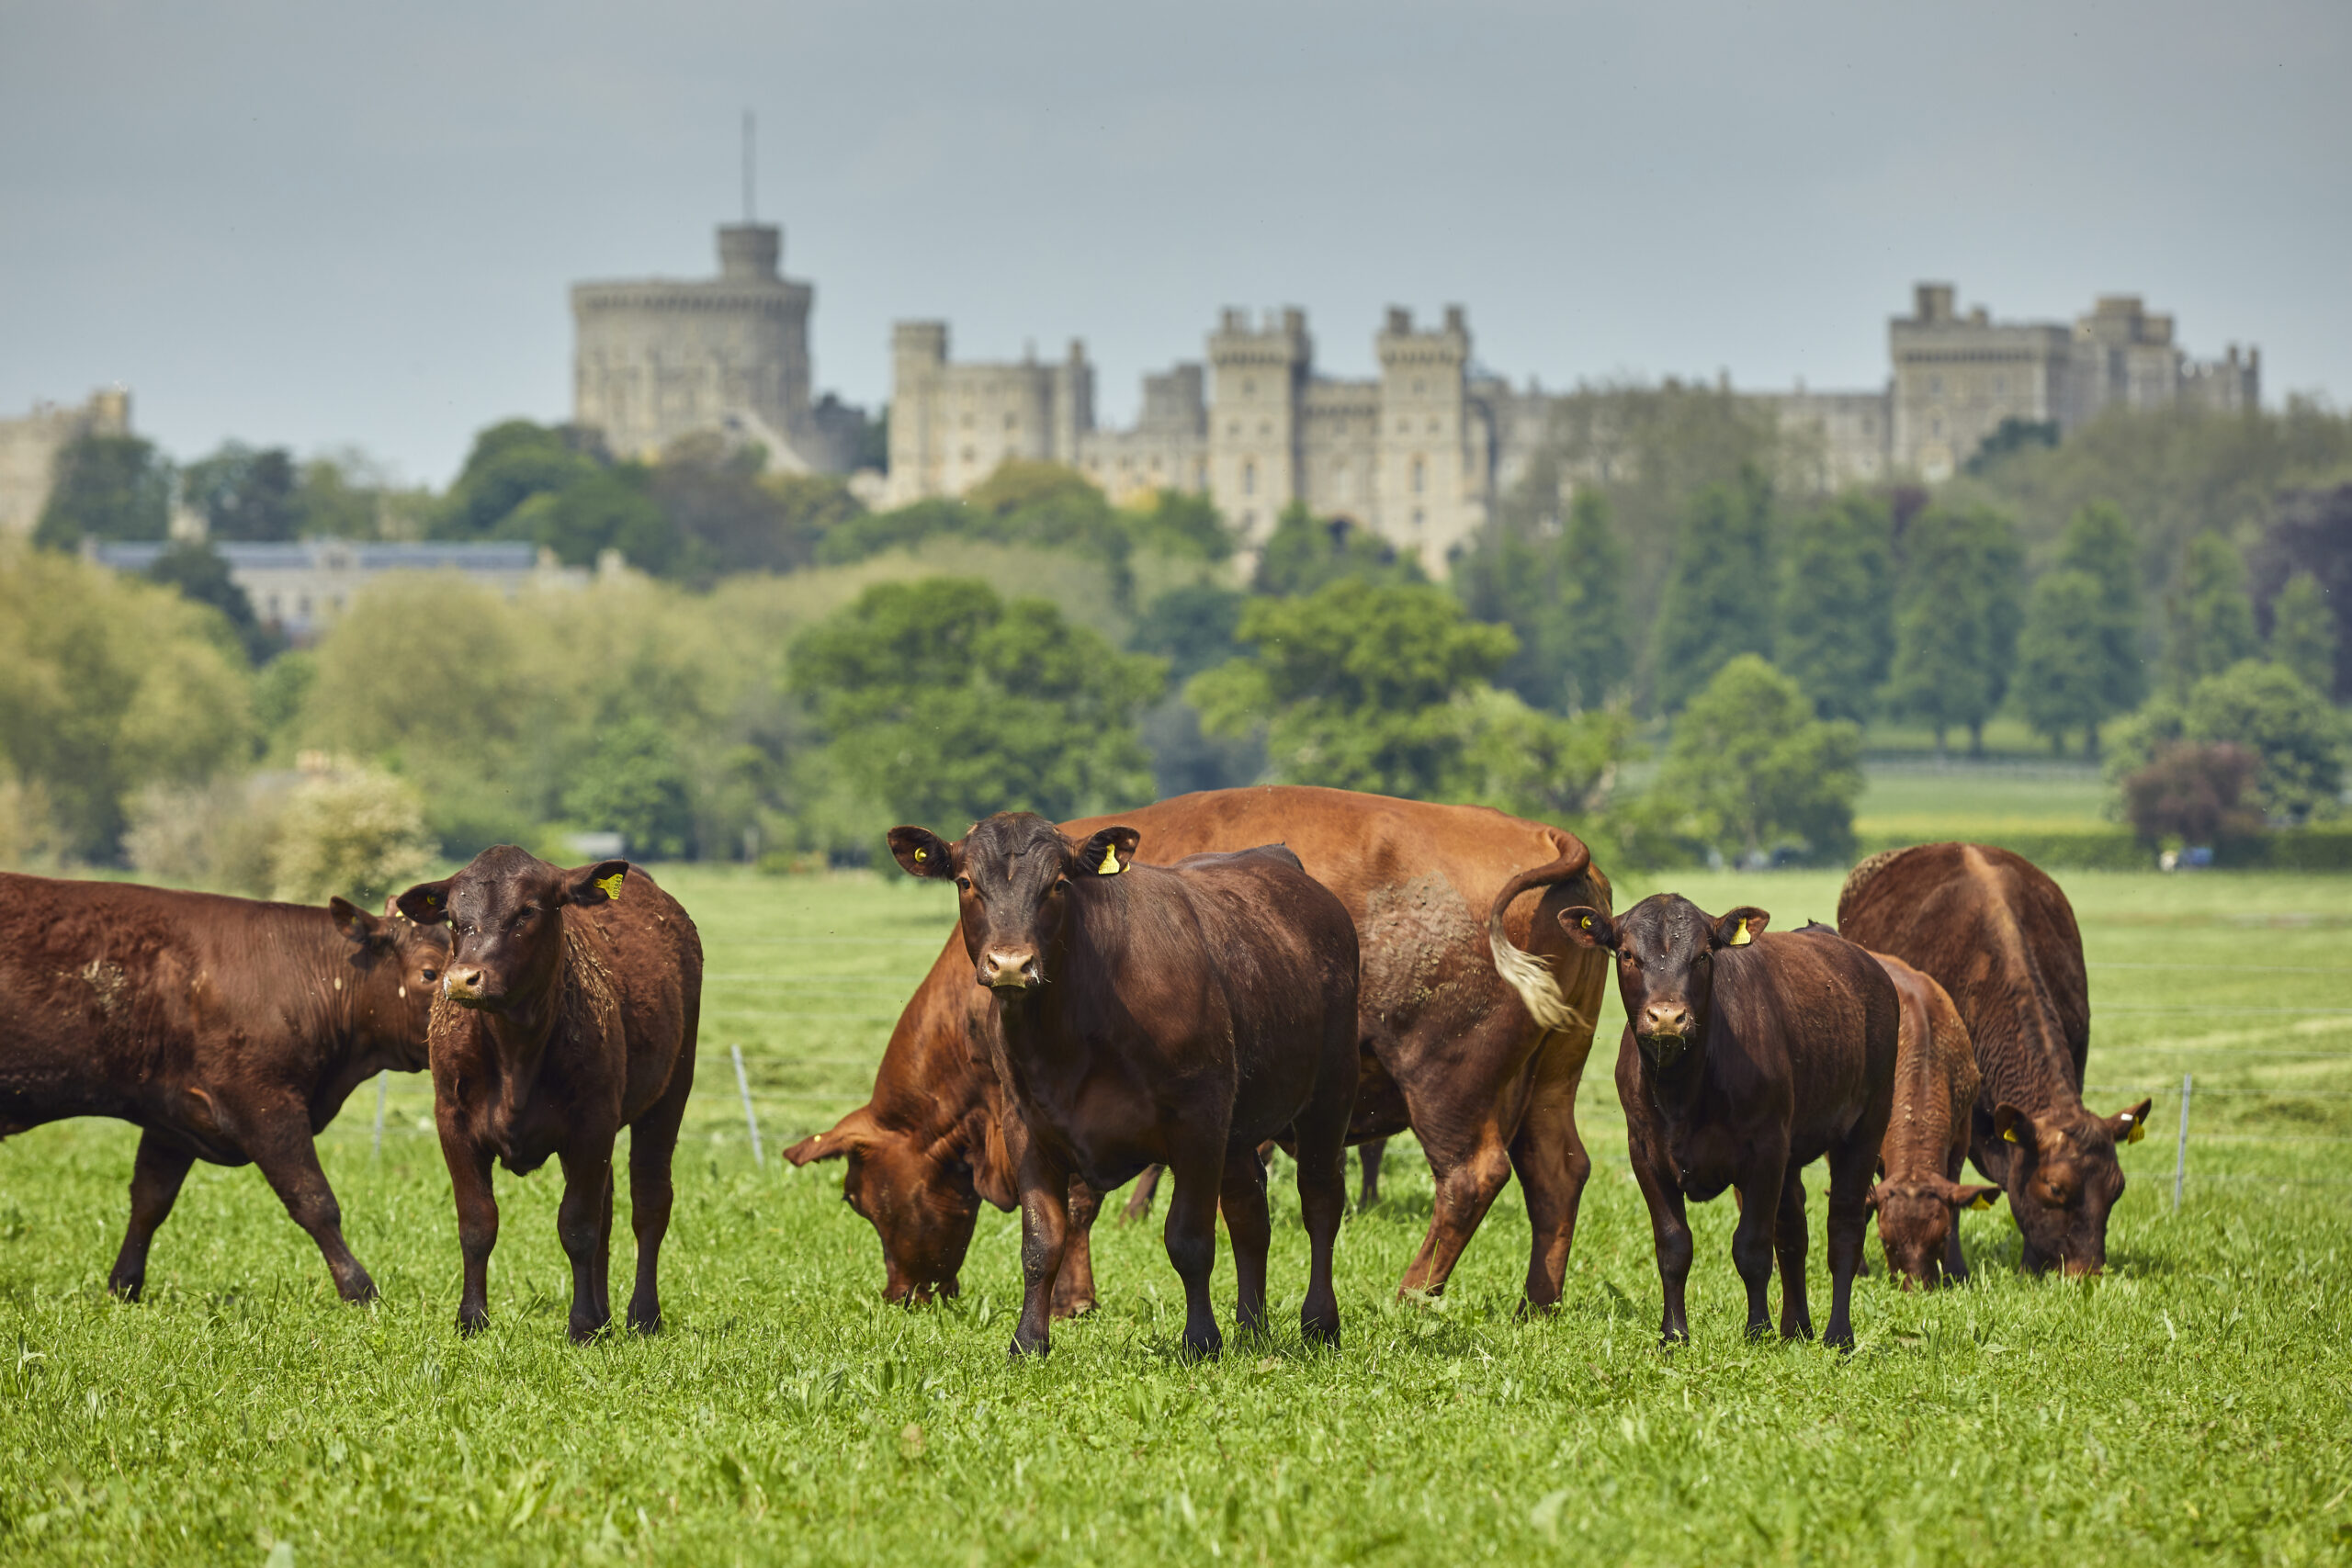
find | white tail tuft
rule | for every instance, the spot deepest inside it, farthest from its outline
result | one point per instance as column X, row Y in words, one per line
column 1531, row 978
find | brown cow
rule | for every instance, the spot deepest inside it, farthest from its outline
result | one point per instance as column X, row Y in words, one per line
column 1996, row 930
column 567, row 1012
column 1482, row 1066
column 1180, row 1016
column 1919, row 1195
column 1746, row 1057
column 226, row 1029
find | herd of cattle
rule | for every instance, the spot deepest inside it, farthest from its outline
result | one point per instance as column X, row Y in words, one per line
column 1175, row 989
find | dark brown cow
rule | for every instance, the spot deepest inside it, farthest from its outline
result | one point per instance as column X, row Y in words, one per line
column 1996, row 930
column 1746, row 1057
column 1482, row 1066
column 225, row 1029
column 1141, row 1015
column 569, row 1011
column 1919, row 1195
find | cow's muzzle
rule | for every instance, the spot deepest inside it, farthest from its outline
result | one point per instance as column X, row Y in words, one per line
column 1664, row 1049
column 468, row 988
column 1005, row 971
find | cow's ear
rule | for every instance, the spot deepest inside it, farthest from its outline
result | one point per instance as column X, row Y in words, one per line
column 855, row 1131
column 1870, row 1198
column 2012, row 1126
column 1960, row 1197
column 1740, row 927
column 1107, row 853
column 598, row 883
column 923, row 853
column 427, row 903
column 2131, row 1127
column 356, row 922
column 1589, row 928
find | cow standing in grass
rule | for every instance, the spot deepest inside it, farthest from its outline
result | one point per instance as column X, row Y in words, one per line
column 1473, row 1021
column 1919, row 1195
column 1746, row 1057
column 227, row 1030
column 569, row 1011
column 2001, row 938
column 1144, row 1015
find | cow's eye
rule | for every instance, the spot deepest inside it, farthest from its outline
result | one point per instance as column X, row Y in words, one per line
column 1061, row 884
column 432, row 975
column 964, row 884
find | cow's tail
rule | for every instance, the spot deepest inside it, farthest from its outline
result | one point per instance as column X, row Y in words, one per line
column 1522, row 970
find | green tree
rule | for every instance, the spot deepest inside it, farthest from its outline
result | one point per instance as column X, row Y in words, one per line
column 105, row 487
column 510, row 463
column 2079, row 659
column 109, row 684
column 1597, row 644
column 2012, row 434
column 1193, row 627
column 635, row 784
column 1357, row 685
column 1751, row 772
column 1304, row 553
column 1563, row 592
column 606, row 508
column 244, row 493
column 1177, row 523
column 2273, row 714
column 202, row 578
column 1837, row 623
column 727, row 521
column 2210, row 619
column 945, row 703
column 2302, row 632
column 1718, row 601
column 1956, row 619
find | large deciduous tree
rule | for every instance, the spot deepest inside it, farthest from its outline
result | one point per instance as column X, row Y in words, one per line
column 1836, row 630
column 244, row 493
column 1751, row 772
column 1956, row 620
column 1562, row 589
column 105, row 487
column 2079, row 659
column 2302, row 632
column 945, row 703
column 2210, row 614
column 1718, row 601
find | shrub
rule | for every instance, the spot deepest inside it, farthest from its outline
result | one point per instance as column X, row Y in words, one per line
column 358, row 832
column 2194, row 793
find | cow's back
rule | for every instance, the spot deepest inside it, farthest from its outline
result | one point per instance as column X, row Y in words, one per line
column 1996, row 931
column 646, row 950
column 1936, row 1077
column 1816, row 1008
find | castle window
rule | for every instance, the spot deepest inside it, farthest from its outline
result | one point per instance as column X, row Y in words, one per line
column 968, row 420
column 1420, row 479
column 1265, row 427
column 1419, row 517
column 1248, row 479
column 1249, row 388
column 969, row 454
column 2000, row 386
column 1234, row 428
column 1419, row 387
column 1012, row 422
column 1935, row 386
column 1432, row 427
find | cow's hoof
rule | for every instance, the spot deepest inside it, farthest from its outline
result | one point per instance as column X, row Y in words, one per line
column 647, row 1327
column 358, row 1291
column 126, row 1290
column 1024, row 1346
column 1078, row 1307
column 584, row 1332
column 472, row 1323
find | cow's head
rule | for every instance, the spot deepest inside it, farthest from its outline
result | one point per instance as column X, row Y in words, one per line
column 505, row 913
column 2063, row 1178
column 1014, row 874
column 919, row 1201
column 1915, row 1217
column 1666, row 948
column 395, row 965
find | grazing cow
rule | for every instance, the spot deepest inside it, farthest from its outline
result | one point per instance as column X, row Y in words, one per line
column 1919, row 1196
column 1481, row 1064
column 1142, row 1015
column 2000, row 937
column 225, row 1029
column 1746, row 1057
column 567, row 1012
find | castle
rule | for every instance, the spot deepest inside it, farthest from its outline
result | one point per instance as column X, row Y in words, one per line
column 29, row 449
column 658, row 358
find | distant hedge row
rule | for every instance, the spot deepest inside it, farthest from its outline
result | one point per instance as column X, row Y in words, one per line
column 2288, row 849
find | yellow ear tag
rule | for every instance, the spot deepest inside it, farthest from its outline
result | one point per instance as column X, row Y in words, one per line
column 1983, row 1201
column 1740, row 937
column 612, row 886
column 2137, row 1131
column 1110, row 866
column 1585, row 922
column 921, row 855
column 2008, row 1134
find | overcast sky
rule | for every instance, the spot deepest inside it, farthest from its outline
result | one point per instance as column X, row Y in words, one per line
column 323, row 225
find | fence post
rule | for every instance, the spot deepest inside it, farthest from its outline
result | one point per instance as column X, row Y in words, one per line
column 2180, row 1153
column 743, row 1083
column 381, row 1079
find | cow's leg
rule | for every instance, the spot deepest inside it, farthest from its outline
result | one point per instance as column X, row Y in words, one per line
column 156, row 1178
column 1468, row 1172
column 652, row 1145
column 1549, row 1155
column 1139, row 1199
column 1371, row 1152
column 1661, row 1188
column 1045, row 1233
column 1955, row 1265
column 1074, row 1286
column 1850, row 1185
column 288, row 1161
column 1322, row 1145
column 477, row 1204
column 1787, row 1247
column 1242, row 1197
column 1751, row 1239
column 1191, row 1233
column 581, row 1223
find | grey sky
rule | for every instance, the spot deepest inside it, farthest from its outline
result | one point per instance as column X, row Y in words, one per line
column 322, row 225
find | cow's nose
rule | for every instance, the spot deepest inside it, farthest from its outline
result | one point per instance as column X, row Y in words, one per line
column 1666, row 1017
column 462, row 982
column 1009, row 971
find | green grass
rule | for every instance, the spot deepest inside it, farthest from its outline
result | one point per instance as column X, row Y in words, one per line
column 1916, row 798
column 2195, row 1403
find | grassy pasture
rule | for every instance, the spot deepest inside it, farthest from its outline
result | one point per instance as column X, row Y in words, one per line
column 2195, row 1403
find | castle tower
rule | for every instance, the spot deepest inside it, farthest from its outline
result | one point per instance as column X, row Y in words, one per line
column 1434, row 459
column 658, row 358
column 1258, row 383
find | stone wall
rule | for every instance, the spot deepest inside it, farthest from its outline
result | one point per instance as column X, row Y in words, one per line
column 29, row 448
